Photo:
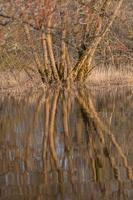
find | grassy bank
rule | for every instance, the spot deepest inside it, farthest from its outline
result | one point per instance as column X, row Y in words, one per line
column 21, row 81
column 17, row 81
column 110, row 76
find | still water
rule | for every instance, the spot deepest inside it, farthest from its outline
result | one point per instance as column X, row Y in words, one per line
column 67, row 145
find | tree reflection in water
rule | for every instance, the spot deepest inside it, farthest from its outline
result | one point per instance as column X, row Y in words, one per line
column 59, row 145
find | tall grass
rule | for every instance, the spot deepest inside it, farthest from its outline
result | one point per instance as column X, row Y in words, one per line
column 111, row 76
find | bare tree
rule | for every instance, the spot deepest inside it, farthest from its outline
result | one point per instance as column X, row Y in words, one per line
column 62, row 36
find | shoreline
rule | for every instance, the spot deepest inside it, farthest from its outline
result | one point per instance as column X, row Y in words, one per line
column 21, row 83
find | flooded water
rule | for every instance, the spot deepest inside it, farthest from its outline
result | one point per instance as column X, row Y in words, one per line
column 67, row 145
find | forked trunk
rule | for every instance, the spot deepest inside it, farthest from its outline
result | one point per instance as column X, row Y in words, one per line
column 81, row 69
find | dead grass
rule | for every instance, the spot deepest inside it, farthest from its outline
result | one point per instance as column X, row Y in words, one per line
column 17, row 83
column 20, row 81
column 109, row 77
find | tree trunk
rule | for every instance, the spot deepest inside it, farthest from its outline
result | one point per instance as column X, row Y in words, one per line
column 89, row 53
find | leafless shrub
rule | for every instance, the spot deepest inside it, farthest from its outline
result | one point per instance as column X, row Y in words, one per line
column 58, row 39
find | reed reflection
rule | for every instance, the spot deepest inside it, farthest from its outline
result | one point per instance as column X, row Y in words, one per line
column 57, row 145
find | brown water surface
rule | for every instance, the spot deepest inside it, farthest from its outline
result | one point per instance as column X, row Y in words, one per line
column 67, row 145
